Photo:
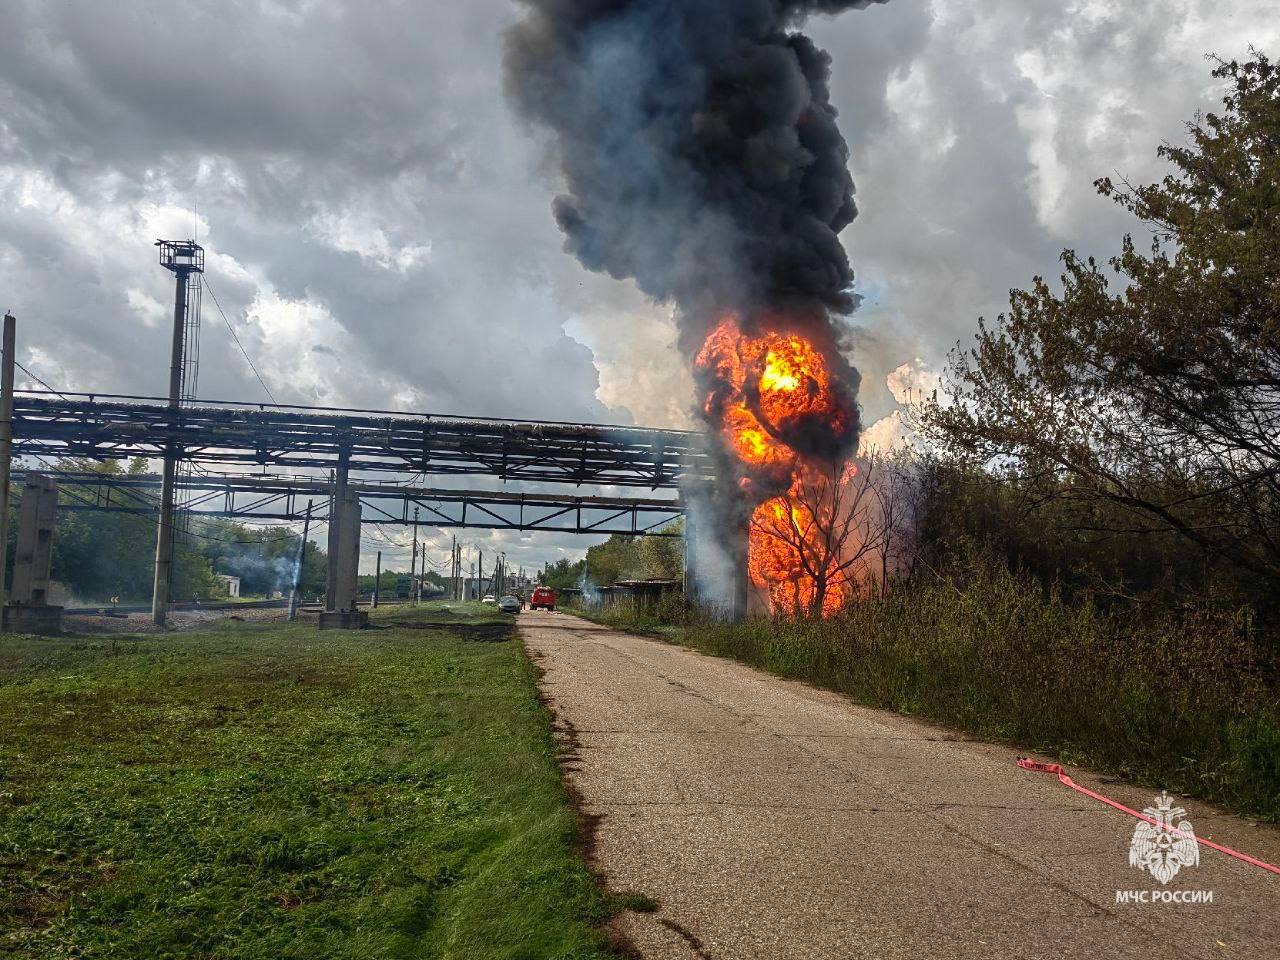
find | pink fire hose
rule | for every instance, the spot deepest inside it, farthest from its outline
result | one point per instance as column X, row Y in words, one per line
column 1026, row 763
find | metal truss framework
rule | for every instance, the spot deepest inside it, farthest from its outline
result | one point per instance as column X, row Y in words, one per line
column 247, row 497
column 117, row 428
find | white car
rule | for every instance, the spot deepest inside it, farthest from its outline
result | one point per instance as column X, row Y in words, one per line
column 489, row 598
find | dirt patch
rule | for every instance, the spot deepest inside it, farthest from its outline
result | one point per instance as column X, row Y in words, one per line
column 484, row 632
column 179, row 620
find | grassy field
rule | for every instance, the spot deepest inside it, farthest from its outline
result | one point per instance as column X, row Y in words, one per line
column 1184, row 700
column 264, row 791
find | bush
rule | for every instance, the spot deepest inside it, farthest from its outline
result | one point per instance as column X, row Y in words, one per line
column 1187, row 699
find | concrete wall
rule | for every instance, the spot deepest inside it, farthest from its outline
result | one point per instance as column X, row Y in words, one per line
column 34, row 555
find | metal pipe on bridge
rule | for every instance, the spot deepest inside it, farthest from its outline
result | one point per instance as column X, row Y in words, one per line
column 255, row 497
column 222, row 435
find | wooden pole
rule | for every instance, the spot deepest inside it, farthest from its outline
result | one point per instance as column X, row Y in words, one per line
column 295, row 598
column 6, row 442
column 413, row 564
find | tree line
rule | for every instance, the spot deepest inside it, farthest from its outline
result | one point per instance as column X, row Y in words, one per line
column 1120, row 431
column 1115, row 435
column 98, row 555
column 622, row 557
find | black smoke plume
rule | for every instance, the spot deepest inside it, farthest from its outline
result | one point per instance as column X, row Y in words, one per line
column 699, row 147
column 702, row 159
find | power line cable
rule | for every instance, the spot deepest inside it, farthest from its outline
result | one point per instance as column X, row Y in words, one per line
column 38, row 380
column 234, row 337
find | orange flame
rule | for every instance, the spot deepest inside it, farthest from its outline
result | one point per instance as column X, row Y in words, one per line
column 765, row 390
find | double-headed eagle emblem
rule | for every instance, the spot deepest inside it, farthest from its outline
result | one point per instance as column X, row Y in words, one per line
column 1160, row 850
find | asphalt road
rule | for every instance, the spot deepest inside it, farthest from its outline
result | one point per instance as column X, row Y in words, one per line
column 769, row 819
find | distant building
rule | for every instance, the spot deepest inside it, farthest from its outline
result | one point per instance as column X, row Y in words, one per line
column 232, row 584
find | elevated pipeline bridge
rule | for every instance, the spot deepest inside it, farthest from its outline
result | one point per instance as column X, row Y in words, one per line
column 284, row 499
column 284, row 456
column 222, row 434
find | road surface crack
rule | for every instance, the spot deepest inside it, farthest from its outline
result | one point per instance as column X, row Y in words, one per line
column 696, row 945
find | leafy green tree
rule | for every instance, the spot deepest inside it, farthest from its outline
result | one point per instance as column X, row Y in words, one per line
column 315, row 570
column 395, row 582
column 562, row 574
column 662, row 558
column 626, row 557
column 264, row 558
column 1162, row 399
column 611, row 561
column 99, row 555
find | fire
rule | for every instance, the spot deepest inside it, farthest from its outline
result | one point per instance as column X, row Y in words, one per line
column 791, row 554
column 771, row 394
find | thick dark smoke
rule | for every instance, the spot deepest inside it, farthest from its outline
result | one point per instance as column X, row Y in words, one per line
column 699, row 147
column 702, row 159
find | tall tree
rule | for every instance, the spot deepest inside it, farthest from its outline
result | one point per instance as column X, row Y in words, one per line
column 813, row 543
column 1162, row 398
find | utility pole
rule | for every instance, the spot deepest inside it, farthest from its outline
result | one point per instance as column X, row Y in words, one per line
column 295, row 599
column 453, row 567
column 182, row 258
column 413, row 564
column 377, row 578
column 480, row 575
column 6, row 441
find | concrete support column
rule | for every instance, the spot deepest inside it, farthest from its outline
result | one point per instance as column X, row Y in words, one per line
column 345, row 564
column 6, row 438
column 29, row 610
column 337, row 496
column 341, row 610
column 163, row 581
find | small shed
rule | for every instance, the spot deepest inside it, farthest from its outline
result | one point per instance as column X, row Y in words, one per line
column 643, row 594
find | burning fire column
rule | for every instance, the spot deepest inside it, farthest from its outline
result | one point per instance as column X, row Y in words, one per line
column 787, row 428
column 701, row 158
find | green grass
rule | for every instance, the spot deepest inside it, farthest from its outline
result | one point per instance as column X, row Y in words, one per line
column 1182, row 699
column 273, row 791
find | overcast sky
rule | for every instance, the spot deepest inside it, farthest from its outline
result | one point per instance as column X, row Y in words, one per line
column 378, row 225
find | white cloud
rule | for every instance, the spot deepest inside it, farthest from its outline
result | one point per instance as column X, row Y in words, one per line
column 910, row 384
column 886, row 435
column 355, row 233
column 913, row 383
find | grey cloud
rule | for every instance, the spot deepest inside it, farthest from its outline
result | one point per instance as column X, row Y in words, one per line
column 955, row 159
column 323, row 139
